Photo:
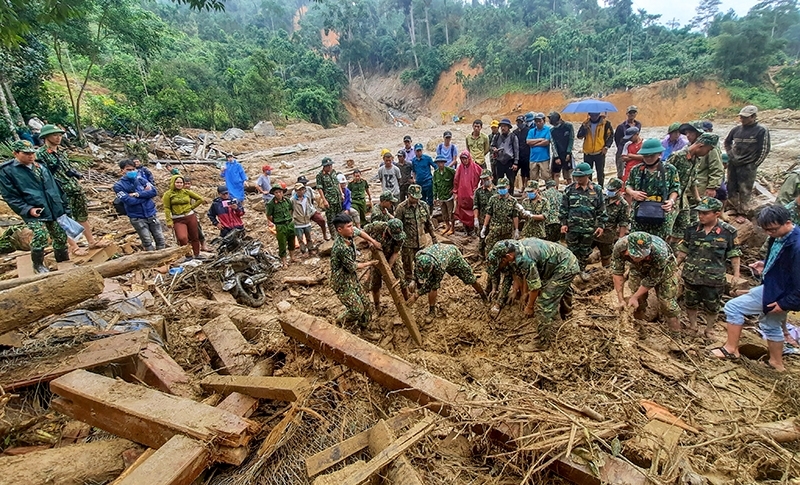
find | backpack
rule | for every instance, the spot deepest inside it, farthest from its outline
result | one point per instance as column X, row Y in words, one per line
column 119, row 207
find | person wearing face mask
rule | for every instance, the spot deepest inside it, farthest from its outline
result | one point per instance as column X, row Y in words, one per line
column 653, row 186
column 537, row 206
column 582, row 215
column 137, row 195
column 617, row 223
column 480, row 203
column 597, row 135
column 552, row 226
column 502, row 216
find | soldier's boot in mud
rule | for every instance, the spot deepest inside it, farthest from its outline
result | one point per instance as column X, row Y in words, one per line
column 61, row 255
column 37, row 260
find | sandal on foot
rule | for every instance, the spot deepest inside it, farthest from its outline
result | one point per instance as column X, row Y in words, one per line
column 80, row 252
column 725, row 354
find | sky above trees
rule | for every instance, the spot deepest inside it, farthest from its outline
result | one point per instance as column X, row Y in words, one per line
column 683, row 10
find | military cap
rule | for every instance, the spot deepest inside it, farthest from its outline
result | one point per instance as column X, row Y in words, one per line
column 23, row 146
column 711, row 139
column 639, row 244
column 388, row 195
column 415, row 191
column 396, row 229
column 709, row 204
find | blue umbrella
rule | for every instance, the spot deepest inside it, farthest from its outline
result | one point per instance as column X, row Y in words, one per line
column 589, row 106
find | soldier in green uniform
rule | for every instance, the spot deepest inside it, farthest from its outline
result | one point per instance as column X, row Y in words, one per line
column 502, row 216
column 329, row 191
column 359, row 193
column 653, row 266
column 344, row 278
column 384, row 210
column 537, row 206
column 33, row 193
column 617, row 223
column 54, row 157
column 279, row 213
column 443, row 178
column 790, row 188
column 710, row 172
column 685, row 160
column 483, row 193
column 704, row 250
column 415, row 215
column 582, row 214
column 391, row 237
column 653, row 183
column 542, row 278
column 430, row 266
column 552, row 227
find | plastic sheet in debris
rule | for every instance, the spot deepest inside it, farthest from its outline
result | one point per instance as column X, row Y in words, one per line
column 90, row 319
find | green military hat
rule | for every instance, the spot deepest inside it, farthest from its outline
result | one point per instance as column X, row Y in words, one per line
column 639, row 244
column 651, row 146
column 614, row 184
column 396, row 229
column 502, row 183
column 23, row 146
column 550, row 183
column 423, row 266
column 583, row 170
column 695, row 125
column 709, row 204
column 50, row 130
column 388, row 196
column 674, row 127
column 327, row 161
column 415, row 191
column 711, row 139
column 486, row 174
column 532, row 186
column 497, row 253
column 725, row 158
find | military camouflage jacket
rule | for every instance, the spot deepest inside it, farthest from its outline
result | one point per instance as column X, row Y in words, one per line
column 653, row 183
column 706, row 253
column 378, row 231
column 654, row 269
column 502, row 211
column 537, row 206
column 554, row 197
column 687, row 174
column 539, row 261
column 416, row 222
column 583, row 210
column 481, row 201
column 329, row 186
column 343, row 262
column 619, row 215
column 63, row 170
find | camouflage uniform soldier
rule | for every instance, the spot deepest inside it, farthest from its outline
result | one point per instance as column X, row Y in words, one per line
column 481, row 203
column 652, row 267
column 537, row 206
column 704, row 249
column 430, row 266
column 329, row 191
column 32, row 192
column 552, row 227
column 685, row 161
column 582, row 214
column 619, row 219
column 653, row 181
column 502, row 216
column 543, row 272
column 415, row 215
column 344, row 279
column 384, row 210
column 391, row 237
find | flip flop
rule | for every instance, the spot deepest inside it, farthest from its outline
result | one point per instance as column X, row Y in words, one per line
column 725, row 354
column 99, row 244
column 80, row 252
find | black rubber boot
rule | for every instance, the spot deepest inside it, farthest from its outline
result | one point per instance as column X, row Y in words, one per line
column 61, row 255
column 37, row 258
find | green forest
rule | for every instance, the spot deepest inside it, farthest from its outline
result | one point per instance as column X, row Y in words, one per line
column 144, row 66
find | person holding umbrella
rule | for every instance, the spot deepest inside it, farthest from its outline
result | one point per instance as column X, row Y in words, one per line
column 596, row 132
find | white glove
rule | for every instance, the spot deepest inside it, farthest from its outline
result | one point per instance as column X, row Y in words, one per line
column 516, row 233
column 519, row 207
column 483, row 232
column 476, row 222
column 527, row 214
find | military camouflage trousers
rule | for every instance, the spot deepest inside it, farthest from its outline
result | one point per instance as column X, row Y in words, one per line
column 357, row 306
column 666, row 291
column 407, row 255
column 78, row 206
column 498, row 233
column 581, row 246
column 555, row 297
column 376, row 279
column 43, row 231
column 331, row 212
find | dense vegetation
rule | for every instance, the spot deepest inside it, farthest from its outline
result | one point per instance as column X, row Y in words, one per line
column 165, row 64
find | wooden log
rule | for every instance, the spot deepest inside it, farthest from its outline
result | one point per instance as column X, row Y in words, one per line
column 28, row 303
column 339, row 452
column 95, row 462
column 394, row 289
column 303, row 280
column 230, row 345
column 122, row 348
column 114, row 267
column 179, row 462
column 275, row 388
column 155, row 367
column 400, row 471
column 144, row 415
column 784, row 431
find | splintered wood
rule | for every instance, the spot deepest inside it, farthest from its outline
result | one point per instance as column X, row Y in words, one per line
column 147, row 416
column 276, row 388
column 233, row 350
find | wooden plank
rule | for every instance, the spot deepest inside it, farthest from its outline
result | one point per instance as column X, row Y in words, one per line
column 24, row 267
column 145, row 415
column 397, row 448
column 118, row 348
column 394, row 289
column 401, row 472
column 230, row 345
column 157, row 369
column 179, row 462
column 303, row 280
column 275, row 388
column 241, row 405
column 142, row 458
column 339, row 452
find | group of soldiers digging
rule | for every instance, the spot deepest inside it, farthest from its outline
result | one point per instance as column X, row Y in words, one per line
column 526, row 262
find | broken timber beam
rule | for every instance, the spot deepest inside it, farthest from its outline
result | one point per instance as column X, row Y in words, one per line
column 156, row 368
column 179, row 462
column 303, row 280
column 114, row 267
column 148, row 416
column 232, row 348
column 28, row 303
column 275, row 388
column 400, row 471
column 394, row 289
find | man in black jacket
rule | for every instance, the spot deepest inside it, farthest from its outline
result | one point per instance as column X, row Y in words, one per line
column 619, row 135
column 562, row 137
column 747, row 146
column 524, row 124
column 505, row 153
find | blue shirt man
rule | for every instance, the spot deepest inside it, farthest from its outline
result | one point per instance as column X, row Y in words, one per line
column 421, row 166
column 234, row 176
column 539, row 130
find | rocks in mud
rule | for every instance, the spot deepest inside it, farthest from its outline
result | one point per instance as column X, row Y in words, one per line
column 233, row 134
column 265, row 128
column 424, row 123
